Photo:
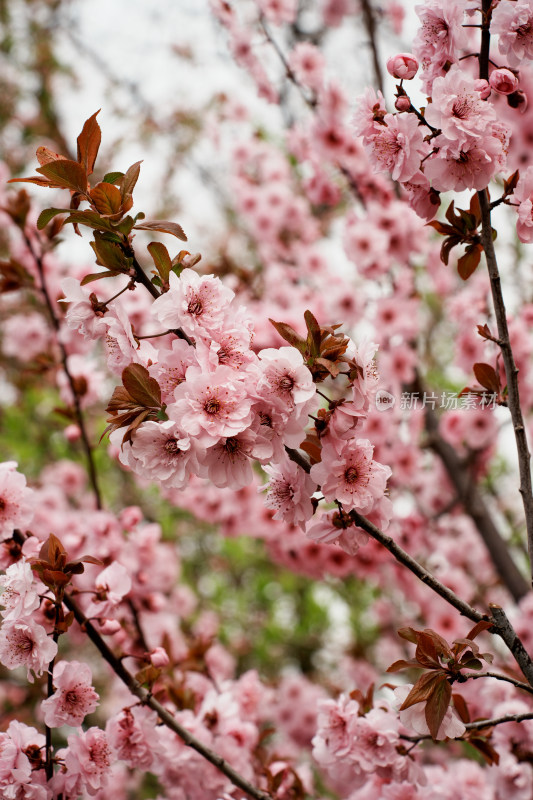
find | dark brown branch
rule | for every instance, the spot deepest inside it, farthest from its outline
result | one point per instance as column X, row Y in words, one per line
column 165, row 716
column 475, row 726
column 370, row 25
column 510, row 637
column 519, row 685
column 91, row 467
column 511, row 370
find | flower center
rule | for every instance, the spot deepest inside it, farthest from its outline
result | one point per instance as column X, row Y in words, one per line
column 351, row 475
column 172, row 446
column 212, row 406
column 232, row 444
column 286, row 383
column 195, row 307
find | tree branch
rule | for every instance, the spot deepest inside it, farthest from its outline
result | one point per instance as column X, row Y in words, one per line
column 165, row 716
column 91, row 467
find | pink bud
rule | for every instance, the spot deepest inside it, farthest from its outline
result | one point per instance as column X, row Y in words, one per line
column 482, row 87
column 159, row 657
column 109, row 626
column 72, row 433
column 402, row 103
column 503, row 81
column 403, row 66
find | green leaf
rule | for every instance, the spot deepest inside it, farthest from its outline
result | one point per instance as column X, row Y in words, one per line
column 48, row 214
column 95, row 276
column 161, row 259
column 91, row 219
column 109, row 254
column 141, row 386
column 113, row 177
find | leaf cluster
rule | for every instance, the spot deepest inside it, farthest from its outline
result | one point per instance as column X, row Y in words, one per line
column 462, row 228
column 322, row 349
column 137, row 400
column 445, row 665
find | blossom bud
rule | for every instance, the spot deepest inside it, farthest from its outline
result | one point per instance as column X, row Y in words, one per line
column 402, row 103
column 109, row 627
column 159, row 657
column 503, row 81
column 403, row 66
column 72, row 433
column 482, row 87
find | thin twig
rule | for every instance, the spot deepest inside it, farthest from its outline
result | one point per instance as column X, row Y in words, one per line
column 91, row 467
column 370, row 25
column 519, row 685
column 475, row 726
column 165, row 716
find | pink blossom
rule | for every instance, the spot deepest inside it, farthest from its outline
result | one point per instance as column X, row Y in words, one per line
column 24, row 643
column 440, row 37
column 88, row 759
column 279, row 11
column 350, row 475
column 523, row 195
column 25, row 336
column 111, row 585
column 397, row 146
column 467, row 166
column 513, row 23
column 132, row 734
column 19, row 597
column 120, row 344
column 161, row 451
column 16, row 500
column 159, row 657
column 81, row 315
column 403, row 66
column 503, row 81
column 334, row 528
column 195, row 303
column 228, row 462
column 307, row 63
column 211, row 406
column 289, row 492
column 334, row 737
column 370, row 113
column 457, row 108
column 18, row 779
column 171, row 367
column 74, row 696
column 285, row 378
column 421, row 199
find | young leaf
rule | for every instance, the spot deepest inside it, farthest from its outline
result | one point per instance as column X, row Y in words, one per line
column 161, row 259
column 45, row 156
column 487, row 377
column 290, row 335
column 163, row 227
column 89, row 144
column 113, row 177
column 468, row 262
column 106, row 198
column 109, row 253
column 423, row 689
column 48, row 214
column 129, row 180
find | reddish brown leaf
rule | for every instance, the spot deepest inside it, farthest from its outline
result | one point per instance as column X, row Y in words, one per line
column 106, row 198
column 468, row 262
column 423, row 689
column 163, row 227
column 34, row 179
column 402, row 664
column 141, row 386
column 127, row 184
column 89, row 144
column 487, row 376
column 290, row 335
column 65, row 174
column 461, row 708
column 483, row 746
column 437, row 705
column 409, row 634
column 45, row 156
